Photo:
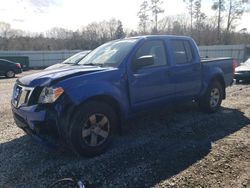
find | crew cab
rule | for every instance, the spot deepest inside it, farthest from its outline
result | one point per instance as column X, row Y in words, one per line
column 83, row 107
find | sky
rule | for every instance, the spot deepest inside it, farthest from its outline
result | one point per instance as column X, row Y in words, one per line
column 41, row 15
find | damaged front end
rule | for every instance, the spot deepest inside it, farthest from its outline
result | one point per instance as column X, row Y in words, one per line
column 42, row 114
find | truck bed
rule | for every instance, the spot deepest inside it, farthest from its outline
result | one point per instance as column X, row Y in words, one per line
column 224, row 64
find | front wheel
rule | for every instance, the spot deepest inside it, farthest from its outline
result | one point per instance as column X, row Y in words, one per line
column 212, row 99
column 92, row 128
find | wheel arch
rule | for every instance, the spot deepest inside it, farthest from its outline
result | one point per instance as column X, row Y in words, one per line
column 110, row 101
column 210, row 79
column 221, row 80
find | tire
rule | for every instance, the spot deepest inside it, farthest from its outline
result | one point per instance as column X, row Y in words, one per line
column 10, row 74
column 92, row 128
column 212, row 99
column 237, row 81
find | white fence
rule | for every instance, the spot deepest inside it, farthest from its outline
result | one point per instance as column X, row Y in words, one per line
column 238, row 52
column 42, row 58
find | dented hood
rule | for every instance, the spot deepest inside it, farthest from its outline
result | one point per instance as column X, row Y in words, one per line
column 58, row 66
column 49, row 77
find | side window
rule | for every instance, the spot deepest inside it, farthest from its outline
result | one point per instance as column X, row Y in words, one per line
column 156, row 49
column 182, row 52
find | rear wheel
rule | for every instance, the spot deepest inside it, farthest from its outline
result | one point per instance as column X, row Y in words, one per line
column 10, row 74
column 212, row 99
column 92, row 128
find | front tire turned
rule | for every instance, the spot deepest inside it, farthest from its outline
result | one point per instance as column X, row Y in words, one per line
column 212, row 99
column 92, row 128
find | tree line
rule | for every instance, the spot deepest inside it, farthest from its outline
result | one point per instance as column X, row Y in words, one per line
column 206, row 30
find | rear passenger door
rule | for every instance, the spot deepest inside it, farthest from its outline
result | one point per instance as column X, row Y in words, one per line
column 187, row 69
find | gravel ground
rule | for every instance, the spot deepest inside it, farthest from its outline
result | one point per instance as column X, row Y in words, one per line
column 177, row 147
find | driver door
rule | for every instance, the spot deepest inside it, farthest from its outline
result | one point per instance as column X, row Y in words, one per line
column 151, row 84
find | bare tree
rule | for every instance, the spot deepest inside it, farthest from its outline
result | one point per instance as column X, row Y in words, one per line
column 235, row 10
column 165, row 25
column 143, row 17
column 156, row 9
column 190, row 7
column 5, row 30
column 176, row 25
column 119, row 33
column 112, row 25
column 199, row 17
column 219, row 6
column 57, row 32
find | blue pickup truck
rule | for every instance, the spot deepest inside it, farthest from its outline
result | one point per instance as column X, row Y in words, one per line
column 84, row 106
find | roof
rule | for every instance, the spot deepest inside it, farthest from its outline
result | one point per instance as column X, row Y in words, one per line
column 159, row 37
column 7, row 60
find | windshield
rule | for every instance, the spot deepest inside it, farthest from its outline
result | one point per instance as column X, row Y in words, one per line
column 110, row 54
column 75, row 58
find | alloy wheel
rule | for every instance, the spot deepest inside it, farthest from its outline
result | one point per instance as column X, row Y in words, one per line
column 214, row 97
column 96, row 130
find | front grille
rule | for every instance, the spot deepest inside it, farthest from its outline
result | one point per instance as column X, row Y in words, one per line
column 21, row 95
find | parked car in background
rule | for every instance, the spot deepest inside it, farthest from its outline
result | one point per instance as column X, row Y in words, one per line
column 85, row 105
column 9, row 68
column 243, row 72
column 72, row 60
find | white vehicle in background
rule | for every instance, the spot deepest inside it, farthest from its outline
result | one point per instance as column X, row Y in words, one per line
column 72, row 60
column 242, row 72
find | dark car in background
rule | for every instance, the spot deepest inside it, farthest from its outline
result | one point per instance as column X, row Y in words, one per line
column 9, row 68
column 243, row 72
column 72, row 60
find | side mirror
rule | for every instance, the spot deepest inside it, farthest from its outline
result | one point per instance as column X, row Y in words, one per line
column 143, row 61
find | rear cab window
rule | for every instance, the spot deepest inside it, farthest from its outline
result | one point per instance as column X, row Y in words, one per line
column 182, row 51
